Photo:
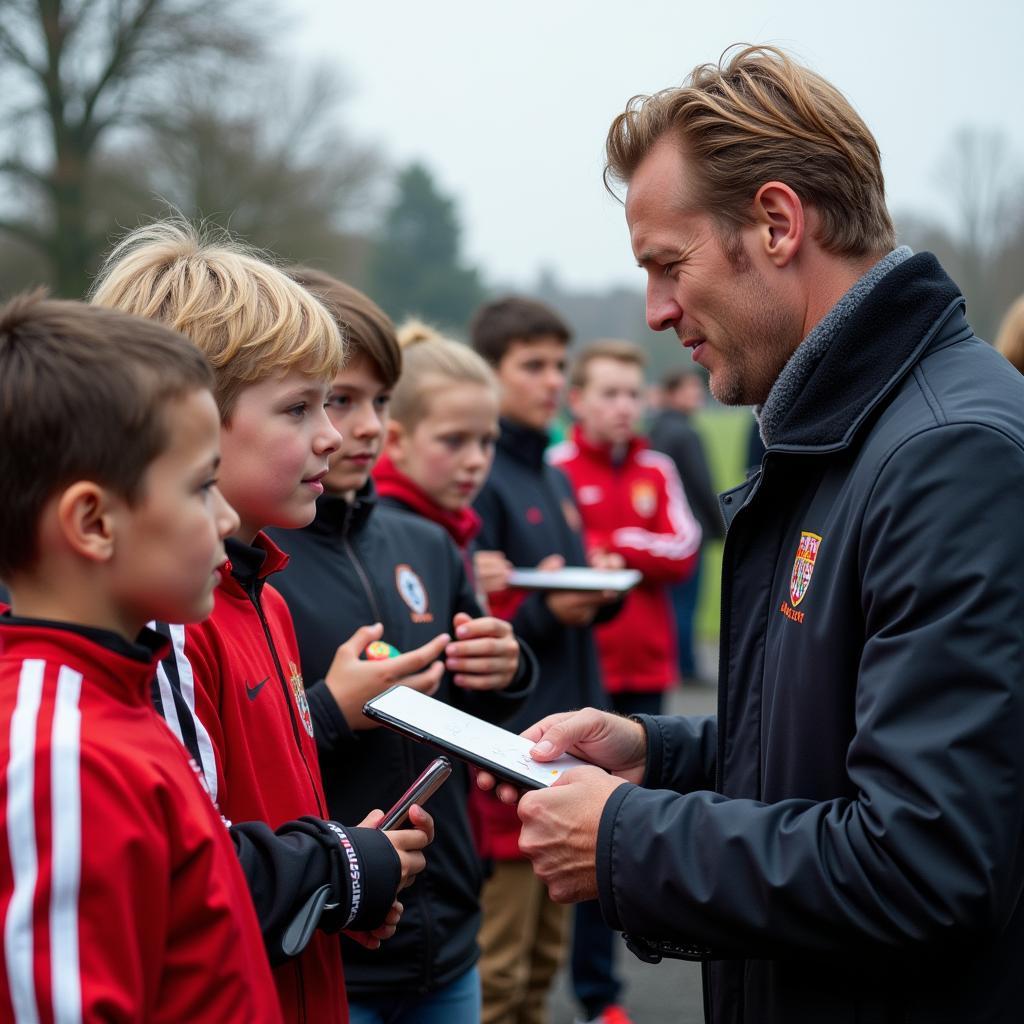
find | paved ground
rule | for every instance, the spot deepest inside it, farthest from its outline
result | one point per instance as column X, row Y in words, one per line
column 669, row 992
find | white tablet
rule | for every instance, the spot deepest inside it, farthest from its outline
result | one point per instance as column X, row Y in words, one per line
column 504, row 754
column 575, row 578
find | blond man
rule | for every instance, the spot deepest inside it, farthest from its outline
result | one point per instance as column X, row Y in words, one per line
column 845, row 840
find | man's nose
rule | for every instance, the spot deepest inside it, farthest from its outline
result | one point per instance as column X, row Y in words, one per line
column 662, row 308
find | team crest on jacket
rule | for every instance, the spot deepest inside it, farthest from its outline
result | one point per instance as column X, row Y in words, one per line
column 644, row 498
column 295, row 678
column 803, row 567
column 413, row 593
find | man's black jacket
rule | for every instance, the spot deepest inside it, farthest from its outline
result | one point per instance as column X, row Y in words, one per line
column 851, row 839
column 346, row 570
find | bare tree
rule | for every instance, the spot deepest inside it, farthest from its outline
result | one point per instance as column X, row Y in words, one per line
column 72, row 72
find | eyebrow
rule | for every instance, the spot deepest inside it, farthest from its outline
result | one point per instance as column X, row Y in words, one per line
column 308, row 391
column 654, row 255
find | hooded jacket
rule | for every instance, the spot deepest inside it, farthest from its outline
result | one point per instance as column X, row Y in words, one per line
column 633, row 505
column 359, row 563
column 846, row 838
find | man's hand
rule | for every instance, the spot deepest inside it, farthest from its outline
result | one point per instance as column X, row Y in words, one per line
column 485, row 654
column 409, row 843
column 353, row 680
column 617, row 744
column 559, row 832
column 491, row 569
column 383, row 931
column 574, row 607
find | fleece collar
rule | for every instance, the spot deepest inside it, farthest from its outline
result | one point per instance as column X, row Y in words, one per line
column 865, row 345
column 523, row 443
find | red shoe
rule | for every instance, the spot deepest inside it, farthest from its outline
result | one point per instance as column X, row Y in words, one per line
column 610, row 1015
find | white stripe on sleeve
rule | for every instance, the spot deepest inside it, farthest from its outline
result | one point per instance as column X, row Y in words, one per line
column 204, row 746
column 21, row 838
column 66, row 857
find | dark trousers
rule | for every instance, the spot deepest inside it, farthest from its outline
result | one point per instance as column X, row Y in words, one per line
column 594, row 980
column 684, row 605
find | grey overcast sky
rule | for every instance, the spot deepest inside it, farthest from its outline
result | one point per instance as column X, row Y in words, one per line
column 509, row 103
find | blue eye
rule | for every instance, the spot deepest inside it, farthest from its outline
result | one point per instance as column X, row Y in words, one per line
column 338, row 402
column 298, row 411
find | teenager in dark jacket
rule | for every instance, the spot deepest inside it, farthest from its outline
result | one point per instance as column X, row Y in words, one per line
column 845, row 841
column 530, row 518
column 360, row 562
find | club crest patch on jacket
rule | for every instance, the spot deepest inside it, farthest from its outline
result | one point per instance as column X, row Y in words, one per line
column 644, row 498
column 295, row 678
column 803, row 566
column 413, row 593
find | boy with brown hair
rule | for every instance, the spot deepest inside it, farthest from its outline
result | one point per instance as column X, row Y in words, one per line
column 347, row 568
column 530, row 518
column 117, row 877
column 233, row 690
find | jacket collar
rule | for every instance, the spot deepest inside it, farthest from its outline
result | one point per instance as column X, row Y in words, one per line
column 523, row 443
column 605, row 453
column 874, row 349
column 108, row 654
column 337, row 517
column 462, row 525
column 249, row 565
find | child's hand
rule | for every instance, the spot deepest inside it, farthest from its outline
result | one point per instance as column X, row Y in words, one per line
column 353, row 681
column 485, row 654
column 383, row 931
column 409, row 843
column 574, row 607
column 491, row 569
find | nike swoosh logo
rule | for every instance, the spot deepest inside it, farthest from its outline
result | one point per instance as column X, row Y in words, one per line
column 251, row 691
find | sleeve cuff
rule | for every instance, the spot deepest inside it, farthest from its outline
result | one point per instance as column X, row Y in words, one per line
column 655, row 750
column 606, row 856
column 374, row 873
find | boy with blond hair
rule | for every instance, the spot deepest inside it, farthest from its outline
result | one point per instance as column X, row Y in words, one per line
column 232, row 689
column 117, row 877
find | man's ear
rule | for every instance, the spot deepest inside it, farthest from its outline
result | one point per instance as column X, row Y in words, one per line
column 780, row 222
column 86, row 519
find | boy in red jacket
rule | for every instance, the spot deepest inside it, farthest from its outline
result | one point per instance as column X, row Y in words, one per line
column 120, row 893
column 632, row 505
column 232, row 689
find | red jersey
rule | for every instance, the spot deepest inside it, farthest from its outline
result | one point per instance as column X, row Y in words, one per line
column 120, row 892
column 239, row 671
column 634, row 506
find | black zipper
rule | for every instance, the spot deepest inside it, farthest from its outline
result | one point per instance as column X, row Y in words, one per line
column 364, row 579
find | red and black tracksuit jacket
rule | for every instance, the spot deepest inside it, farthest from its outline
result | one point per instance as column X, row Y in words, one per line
column 232, row 691
column 120, row 893
column 632, row 504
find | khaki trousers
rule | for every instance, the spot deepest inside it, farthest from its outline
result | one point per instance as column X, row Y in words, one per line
column 523, row 941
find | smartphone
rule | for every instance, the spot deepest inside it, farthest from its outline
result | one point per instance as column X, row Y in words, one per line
column 429, row 782
column 504, row 754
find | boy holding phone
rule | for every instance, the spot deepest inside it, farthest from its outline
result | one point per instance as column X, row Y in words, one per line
column 232, row 688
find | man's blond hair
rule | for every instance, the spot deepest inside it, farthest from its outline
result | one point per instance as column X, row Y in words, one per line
column 762, row 117
column 247, row 316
